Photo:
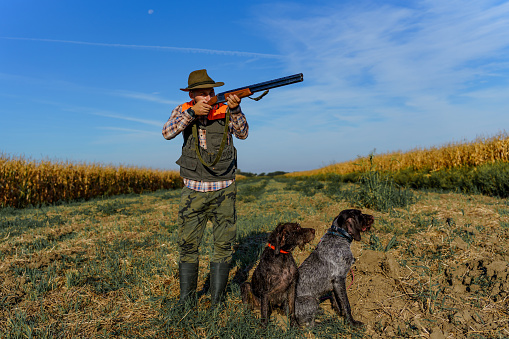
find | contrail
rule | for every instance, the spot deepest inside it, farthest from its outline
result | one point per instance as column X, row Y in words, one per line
column 178, row 49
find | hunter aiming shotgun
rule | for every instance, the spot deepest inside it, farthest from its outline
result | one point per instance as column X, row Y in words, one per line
column 241, row 92
column 208, row 167
column 262, row 86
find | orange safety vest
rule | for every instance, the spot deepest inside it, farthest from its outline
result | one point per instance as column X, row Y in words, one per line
column 217, row 112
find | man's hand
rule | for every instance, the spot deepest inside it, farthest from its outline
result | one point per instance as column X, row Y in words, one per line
column 201, row 108
column 233, row 101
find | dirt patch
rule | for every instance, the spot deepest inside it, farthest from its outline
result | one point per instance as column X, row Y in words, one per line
column 413, row 299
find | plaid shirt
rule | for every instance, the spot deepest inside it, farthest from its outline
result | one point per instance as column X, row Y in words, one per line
column 178, row 122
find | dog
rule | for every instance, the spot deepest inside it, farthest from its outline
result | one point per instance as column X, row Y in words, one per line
column 274, row 279
column 326, row 268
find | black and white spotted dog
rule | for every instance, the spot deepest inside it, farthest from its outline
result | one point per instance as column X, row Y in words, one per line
column 326, row 268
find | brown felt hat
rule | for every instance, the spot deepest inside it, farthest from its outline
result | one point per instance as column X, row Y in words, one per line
column 200, row 79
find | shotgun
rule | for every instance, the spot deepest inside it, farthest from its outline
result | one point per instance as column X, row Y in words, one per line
column 241, row 93
column 262, row 86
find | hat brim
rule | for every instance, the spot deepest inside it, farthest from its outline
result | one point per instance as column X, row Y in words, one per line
column 217, row 84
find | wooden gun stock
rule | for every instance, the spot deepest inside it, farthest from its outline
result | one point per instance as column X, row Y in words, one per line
column 241, row 93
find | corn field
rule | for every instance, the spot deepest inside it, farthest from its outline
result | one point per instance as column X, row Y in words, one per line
column 27, row 182
column 481, row 151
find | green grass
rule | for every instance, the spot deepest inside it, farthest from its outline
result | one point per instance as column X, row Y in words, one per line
column 379, row 192
column 491, row 179
column 375, row 244
column 14, row 224
column 373, row 190
column 488, row 179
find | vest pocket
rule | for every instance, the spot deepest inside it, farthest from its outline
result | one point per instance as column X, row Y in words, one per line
column 187, row 163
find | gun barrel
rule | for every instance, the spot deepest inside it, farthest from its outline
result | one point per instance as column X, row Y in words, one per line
column 262, row 86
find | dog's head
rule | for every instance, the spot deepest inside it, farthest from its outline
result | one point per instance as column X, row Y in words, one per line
column 354, row 222
column 287, row 236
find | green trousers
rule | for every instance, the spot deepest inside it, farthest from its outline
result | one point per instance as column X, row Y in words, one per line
column 195, row 209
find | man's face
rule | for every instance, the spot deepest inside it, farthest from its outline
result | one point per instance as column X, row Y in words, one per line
column 202, row 94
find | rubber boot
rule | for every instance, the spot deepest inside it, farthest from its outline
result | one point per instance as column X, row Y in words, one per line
column 218, row 279
column 188, row 273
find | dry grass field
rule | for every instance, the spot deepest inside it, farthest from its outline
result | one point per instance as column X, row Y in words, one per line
column 107, row 268
column 483, row 150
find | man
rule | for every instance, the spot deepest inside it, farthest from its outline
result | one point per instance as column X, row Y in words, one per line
column 207, row 166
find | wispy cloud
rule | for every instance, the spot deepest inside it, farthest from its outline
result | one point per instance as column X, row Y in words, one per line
column 145, row 97
column 396, row 50
column 70, row 86
column 416, row 57
column 102, row 113
column 128, row 130
column 120, row 136
column 126, row 118
column 167, row 48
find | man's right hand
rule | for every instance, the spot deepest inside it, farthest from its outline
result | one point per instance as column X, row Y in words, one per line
column 201, row 108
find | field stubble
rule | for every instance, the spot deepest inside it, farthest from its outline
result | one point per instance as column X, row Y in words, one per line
column 109, row 267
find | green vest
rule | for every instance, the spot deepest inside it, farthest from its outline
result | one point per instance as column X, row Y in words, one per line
column 190, row 165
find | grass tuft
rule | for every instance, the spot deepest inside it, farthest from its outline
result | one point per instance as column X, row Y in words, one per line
column 379, row 192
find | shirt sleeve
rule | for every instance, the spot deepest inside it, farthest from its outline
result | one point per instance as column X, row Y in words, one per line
column 177, row 122
column 238, row 124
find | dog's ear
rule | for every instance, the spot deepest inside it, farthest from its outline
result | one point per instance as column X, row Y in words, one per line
column 280, row 240
column 277, row 238
column 339, row 221
column 352, row 228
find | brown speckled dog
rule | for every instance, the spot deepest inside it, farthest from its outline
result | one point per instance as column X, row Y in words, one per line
column 274, row 279
column 326, row 268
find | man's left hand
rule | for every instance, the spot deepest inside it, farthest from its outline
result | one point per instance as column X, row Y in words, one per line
column 233, row 101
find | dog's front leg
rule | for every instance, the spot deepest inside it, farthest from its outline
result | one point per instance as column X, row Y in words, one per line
column 291, row 304
column 265, row 309
column 340, row 294
column 336, row 304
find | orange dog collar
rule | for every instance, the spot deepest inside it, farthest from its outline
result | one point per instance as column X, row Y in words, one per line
column 280, row 251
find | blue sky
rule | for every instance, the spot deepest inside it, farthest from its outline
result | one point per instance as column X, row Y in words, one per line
column 94, row 81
